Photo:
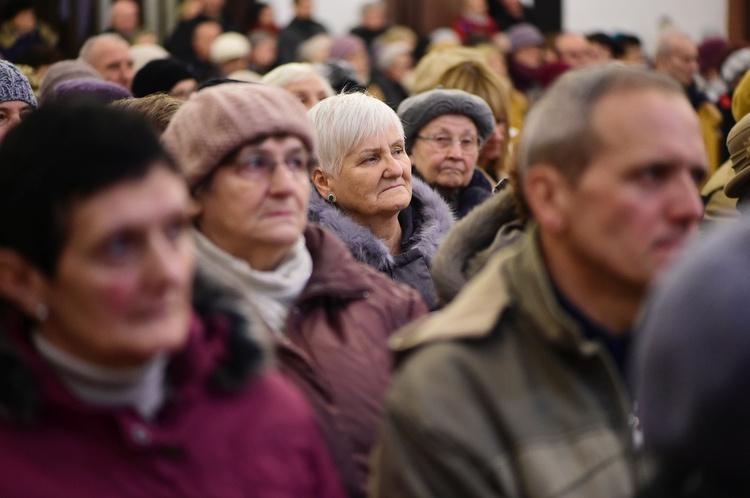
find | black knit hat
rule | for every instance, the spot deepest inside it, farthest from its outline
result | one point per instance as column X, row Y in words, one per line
column 159, row 76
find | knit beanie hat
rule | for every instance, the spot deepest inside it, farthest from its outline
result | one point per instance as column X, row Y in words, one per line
column 63, row 71
column 229, row 46
column 711, row 52
column 14, row 85
column 216, row 121
column 346, row 45
column 417, row 111
column 104, row 91
column 524, row 35
column 159, row 75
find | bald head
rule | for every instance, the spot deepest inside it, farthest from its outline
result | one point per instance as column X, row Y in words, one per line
column 110, row 55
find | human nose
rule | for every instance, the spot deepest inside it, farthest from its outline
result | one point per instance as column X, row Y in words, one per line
column 686, row 203
column 455, row 149
column 394, row 168
column 168, row 262
column 281, row 178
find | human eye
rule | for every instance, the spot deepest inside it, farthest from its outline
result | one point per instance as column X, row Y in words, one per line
column 397, row 150
column 468, row 142
column 369, row 159
column 443, row 141
column 120, row 248
column 653, row 175
column 176, row 228
column 3, row 118
column 296, row 163
column 255, row 164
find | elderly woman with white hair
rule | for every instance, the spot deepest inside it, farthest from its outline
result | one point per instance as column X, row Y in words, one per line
column 367, row 195
column 302, row 80
column 246, row 151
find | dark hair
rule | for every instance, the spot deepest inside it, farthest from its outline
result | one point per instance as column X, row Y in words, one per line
column 63, row 153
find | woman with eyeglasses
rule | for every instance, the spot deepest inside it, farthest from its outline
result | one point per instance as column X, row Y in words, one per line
column 366, row 193
column 445, row 131
column 247, row 151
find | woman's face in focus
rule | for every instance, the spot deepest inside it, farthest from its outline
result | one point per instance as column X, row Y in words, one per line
column 375, row 179
column 256, row 203
column 121, row 292
column 445, row 151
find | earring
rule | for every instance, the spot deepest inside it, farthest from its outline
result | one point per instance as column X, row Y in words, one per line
column 41, row 311
column 331, row 198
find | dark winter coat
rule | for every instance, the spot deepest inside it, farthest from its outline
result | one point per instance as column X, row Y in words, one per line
column 228, row 428
column 335, row 348
column 425, row 222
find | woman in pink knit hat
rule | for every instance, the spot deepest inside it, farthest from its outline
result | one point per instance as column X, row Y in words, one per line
column 247, row 152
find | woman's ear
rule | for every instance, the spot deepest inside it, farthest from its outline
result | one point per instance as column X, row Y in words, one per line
column 20, row 282
column 322, row 183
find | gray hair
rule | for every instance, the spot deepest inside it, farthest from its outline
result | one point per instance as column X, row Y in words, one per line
column 558, row 129
column 295, row 72
column 665, row 43
column 88, row 45
column 343, row 122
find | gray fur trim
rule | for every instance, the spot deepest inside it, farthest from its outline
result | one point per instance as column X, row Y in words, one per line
column 435, row 217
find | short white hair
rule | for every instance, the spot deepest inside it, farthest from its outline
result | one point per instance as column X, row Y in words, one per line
column 342, row 122
column 295, row 72
column 88, row 45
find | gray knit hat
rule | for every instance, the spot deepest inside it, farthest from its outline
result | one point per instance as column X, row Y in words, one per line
column 14, row 85
column 415, row 112
column 218, row 120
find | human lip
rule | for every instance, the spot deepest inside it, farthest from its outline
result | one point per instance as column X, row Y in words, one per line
column 392, row 187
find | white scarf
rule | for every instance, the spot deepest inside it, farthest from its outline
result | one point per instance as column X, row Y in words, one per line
column 270, row 294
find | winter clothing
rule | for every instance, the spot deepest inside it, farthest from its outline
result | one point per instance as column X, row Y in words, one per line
column 229, row 46
column 424, row 224
column 472, row 241
column 738, row 143
column 228, row 427
column 524, row 35
column 692, row 361
column 105, row 91
column 467, row 198
column 417, row 111
column 235, row 115
column 334, row 348
column 14, row 86
column 473, row 29
column 64, row 71
column 501, row 395
column 160, row 75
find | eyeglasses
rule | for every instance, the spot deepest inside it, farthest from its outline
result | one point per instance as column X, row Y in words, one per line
column 444, row 143
column 263, row 166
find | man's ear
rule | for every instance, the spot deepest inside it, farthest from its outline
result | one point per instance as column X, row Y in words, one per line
column 547, row 193
column 20, row 282
column 322, row 183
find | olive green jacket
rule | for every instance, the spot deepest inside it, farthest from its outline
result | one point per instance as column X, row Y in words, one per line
column 500, row 395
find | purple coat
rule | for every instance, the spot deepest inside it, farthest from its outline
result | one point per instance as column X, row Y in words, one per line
column 229, row 429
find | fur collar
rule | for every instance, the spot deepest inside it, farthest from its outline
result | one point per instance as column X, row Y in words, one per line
column 491, row 226
column 245, row 352
column 433, row 215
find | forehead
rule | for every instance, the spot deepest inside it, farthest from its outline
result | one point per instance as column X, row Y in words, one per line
column 279, row 143
column 14, row 105
column 648, row 124
column 451, row 122
column 131, row 203
column 383, row 139
column 107, row 50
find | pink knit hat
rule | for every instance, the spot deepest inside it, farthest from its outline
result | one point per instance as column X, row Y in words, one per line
column 218, row 120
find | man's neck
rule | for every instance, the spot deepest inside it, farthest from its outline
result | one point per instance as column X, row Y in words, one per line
column 612, row 305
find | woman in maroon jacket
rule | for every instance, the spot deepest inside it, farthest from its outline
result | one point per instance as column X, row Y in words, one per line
column 246, row 151
column 111, row 382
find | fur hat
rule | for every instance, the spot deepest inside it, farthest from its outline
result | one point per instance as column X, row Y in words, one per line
column 63, row 71
column 692, row 360
column 738, row 143
column 216, row 121
column 159, row 75
column 14, row 85
column 415, row 112
column 104, row 91
column 524, row 35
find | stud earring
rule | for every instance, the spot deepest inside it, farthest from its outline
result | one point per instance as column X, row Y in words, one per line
column 41, row 312
column 331, row 198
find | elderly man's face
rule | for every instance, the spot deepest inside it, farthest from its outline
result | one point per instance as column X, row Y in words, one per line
column 12, row 113
column 111, row 58
column 636, row 205
column 682, row 61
